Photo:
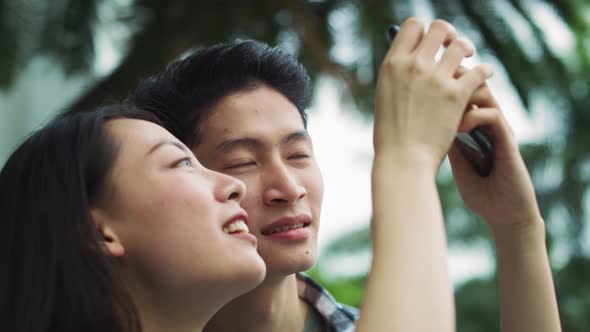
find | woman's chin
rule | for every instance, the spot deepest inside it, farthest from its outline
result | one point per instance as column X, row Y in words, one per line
column 256, row 274
column 249, row 275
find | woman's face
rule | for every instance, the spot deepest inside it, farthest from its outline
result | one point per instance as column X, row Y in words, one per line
column 181, row 226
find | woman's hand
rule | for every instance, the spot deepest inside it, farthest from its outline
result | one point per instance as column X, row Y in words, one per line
column 419, row 101
column 506, row 198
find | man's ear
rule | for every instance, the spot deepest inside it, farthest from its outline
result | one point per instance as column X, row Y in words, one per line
column 108, row 237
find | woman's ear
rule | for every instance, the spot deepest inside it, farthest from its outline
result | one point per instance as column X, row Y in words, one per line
column 108, row 237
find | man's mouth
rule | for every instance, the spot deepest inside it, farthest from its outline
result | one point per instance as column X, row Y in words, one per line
column 286, row 224
column 284, row 228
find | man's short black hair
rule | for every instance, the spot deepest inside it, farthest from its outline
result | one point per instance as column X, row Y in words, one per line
column 182, row 94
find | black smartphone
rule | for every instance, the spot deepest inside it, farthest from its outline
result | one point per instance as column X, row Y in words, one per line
column 474, row 145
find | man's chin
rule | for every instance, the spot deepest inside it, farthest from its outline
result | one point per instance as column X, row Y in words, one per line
column 277, row 268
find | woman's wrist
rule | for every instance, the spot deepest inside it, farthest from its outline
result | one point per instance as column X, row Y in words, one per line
column 405, row 161
column 520, row 235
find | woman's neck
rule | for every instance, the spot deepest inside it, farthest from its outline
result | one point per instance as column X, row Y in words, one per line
column 174, row 310
column 273, row 306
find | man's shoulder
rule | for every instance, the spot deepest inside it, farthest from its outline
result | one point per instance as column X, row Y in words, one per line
column 340, row 317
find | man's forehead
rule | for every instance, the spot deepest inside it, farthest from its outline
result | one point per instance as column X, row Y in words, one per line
column 279, row 126
column 246, row 118
column 258, row 116
column 253, row 106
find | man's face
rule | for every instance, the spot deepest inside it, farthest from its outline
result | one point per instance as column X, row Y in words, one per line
column 258, row 137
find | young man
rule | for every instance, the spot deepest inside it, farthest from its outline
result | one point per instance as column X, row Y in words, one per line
column 241, row 107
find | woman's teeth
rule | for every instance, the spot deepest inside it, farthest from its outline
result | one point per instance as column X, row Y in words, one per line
column 238, row 226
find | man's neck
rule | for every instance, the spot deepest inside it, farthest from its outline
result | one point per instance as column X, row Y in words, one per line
column 272, row 306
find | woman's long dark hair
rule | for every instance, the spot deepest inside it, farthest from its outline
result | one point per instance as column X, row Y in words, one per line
column 55, row 275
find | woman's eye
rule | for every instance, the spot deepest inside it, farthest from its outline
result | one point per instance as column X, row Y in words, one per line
column 185, row 163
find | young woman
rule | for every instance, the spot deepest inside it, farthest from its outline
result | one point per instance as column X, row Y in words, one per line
column 110, row 224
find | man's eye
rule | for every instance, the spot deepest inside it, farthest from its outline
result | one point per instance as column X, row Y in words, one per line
column 241, row 165
column 299, row 156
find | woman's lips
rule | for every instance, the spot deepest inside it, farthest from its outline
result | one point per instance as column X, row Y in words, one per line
column 237, row 226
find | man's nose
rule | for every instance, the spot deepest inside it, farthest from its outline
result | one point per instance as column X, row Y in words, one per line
column 283, row 186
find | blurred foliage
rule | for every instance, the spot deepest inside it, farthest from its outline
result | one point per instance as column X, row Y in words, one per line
column 346, row 290
column 156, row 32
column 477, row 306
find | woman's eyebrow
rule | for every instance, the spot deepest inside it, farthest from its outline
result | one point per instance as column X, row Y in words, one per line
column 166, row 143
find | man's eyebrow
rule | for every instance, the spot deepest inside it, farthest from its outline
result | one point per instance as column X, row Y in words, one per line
column 300, row 135
column 252, row 143
column 247, row 142
column 167, row 142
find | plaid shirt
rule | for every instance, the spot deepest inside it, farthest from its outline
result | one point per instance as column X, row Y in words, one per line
column 339, row 317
